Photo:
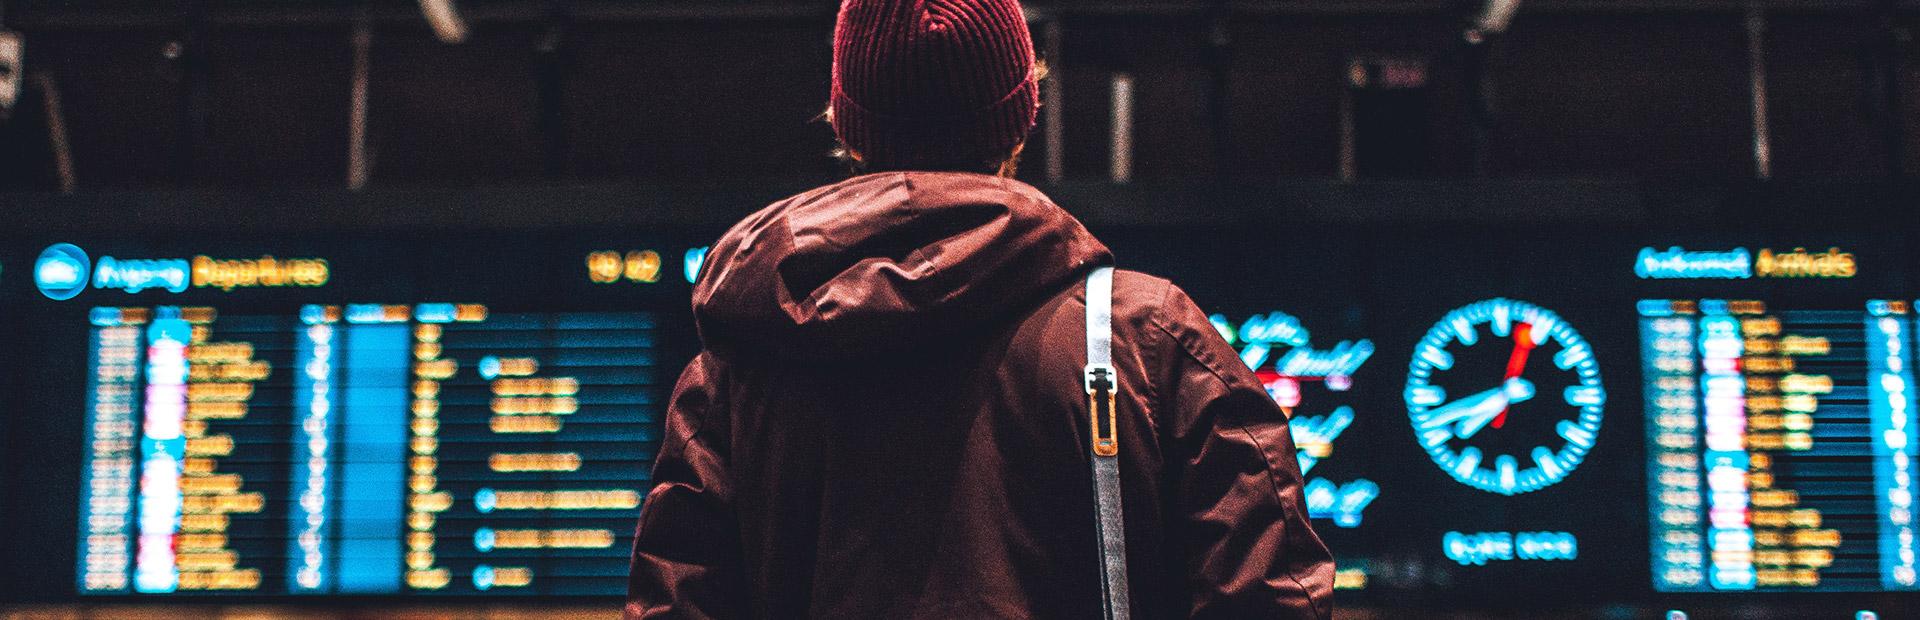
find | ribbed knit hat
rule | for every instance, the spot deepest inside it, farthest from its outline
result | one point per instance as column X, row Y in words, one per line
column 932, row 83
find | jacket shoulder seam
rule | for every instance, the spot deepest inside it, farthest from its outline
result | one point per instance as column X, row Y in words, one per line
column 1150, row 355
column 1240, row 425
column 717, row 384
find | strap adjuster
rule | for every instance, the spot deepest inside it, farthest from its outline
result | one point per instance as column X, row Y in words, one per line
column 1102, row 386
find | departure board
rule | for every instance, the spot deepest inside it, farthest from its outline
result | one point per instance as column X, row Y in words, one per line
column 364, row 449
column 374, row 418
column 1778, row 446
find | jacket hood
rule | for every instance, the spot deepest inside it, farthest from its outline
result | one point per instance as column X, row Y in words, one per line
column 887, row 264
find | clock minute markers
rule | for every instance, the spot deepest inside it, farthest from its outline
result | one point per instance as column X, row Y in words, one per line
column 1453, row 430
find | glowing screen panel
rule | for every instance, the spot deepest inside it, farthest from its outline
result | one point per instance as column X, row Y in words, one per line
column 1778, row 445
column 1476, row 420
column 364, row 449
column 370, row 419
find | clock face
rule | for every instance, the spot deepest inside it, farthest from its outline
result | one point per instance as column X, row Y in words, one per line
column 1505, row 396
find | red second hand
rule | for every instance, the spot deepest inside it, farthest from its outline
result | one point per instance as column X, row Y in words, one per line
column 1522, row 345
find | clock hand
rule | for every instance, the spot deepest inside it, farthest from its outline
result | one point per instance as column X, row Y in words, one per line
column 1513, row 391
column 1450, row 412
column 1517, row 362
column 1471, row 413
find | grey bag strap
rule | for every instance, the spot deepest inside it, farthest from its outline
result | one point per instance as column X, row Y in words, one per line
column 1102, row 385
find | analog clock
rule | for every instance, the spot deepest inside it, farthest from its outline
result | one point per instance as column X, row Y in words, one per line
column 1505, row 396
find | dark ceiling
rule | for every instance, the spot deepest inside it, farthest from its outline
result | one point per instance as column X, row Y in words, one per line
column 166, row 94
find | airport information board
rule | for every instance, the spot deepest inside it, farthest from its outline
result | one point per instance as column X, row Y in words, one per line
column 1778, row 456
column 1778, row 432
column 364, row 449
column 282, row 424
column 383, row 418
column 1503, row 424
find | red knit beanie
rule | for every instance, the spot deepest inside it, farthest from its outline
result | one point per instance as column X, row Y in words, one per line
column 932, row 83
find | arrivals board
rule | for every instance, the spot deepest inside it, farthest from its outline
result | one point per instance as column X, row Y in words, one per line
column 1478, row 412
column 1778, row 441
column 1778, row 457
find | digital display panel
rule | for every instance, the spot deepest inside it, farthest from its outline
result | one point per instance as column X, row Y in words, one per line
column 364, row 449
column 1452, row 431
column 1778, row 446
column 1776, row 425
column 281, row 426
column 1474, row 417
column 437, row 416
column 1489, row 410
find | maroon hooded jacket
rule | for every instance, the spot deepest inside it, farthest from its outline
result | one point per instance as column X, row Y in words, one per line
column 889, row 422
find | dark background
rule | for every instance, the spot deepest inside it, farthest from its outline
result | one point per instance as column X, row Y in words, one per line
column 1532, row 166
column 233, row 94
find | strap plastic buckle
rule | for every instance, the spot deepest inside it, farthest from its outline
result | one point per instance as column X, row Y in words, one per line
column 1102, row 385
